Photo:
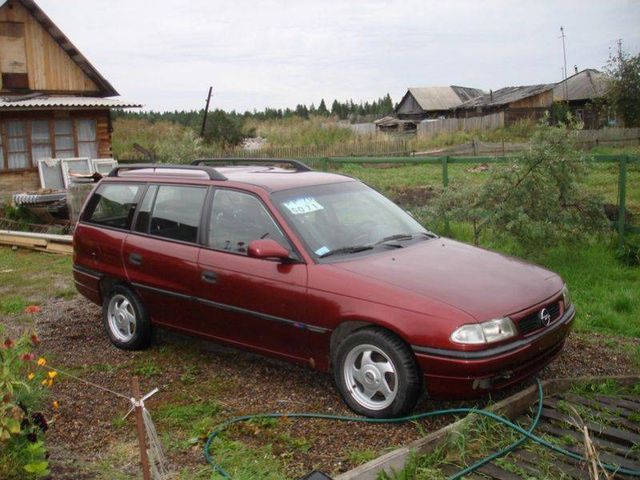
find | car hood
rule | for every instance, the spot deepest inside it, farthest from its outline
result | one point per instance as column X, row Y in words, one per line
column 482, row 283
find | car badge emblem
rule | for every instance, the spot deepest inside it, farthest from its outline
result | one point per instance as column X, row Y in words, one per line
column 545, row 317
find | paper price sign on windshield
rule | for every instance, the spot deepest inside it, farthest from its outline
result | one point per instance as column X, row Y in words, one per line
column 303, row 205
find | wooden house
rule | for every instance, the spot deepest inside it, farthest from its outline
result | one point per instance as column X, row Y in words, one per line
column 52, row 100
column 585, row 93
column 524, row 102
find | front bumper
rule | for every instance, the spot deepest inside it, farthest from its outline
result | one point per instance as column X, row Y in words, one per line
column 465, row 374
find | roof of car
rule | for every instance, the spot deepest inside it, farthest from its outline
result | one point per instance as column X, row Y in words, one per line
column 270, row 178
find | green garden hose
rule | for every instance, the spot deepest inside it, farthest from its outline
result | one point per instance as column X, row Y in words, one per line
column 526, row 434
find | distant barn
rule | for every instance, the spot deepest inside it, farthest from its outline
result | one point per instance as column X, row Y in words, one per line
column 433, row 102
column 518, row 103
column 52, row 100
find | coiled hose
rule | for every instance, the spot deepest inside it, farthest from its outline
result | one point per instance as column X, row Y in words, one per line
column 526, row 434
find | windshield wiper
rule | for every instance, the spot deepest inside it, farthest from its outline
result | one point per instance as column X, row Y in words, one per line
column 350, row 249
column 399, row 237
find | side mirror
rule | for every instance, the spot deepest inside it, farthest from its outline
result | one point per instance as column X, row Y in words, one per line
column 267, row 248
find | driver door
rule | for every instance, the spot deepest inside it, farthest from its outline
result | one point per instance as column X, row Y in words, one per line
column 250, row 302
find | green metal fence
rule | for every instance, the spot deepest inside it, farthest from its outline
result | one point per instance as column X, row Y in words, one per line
column 622, row 160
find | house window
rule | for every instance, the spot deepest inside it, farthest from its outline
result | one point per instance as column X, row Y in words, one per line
column 17, row 152
column 40, row 140
column 65, row 147
column 87, row 138
column 24, row 142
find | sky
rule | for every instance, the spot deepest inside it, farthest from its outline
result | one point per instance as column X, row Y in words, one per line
column 166, row 53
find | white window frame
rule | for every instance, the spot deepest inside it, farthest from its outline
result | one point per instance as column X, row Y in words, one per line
column 66, row 173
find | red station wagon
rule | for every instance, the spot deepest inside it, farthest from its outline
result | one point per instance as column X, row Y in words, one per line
column 318, row 269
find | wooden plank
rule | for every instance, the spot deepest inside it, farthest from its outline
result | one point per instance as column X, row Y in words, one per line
column 600, row 443
column 611, row 433
column 22, row 241
column 618, row 402
column 498, row 473
column 588, row 402
column 573, row 470
column 604, row 417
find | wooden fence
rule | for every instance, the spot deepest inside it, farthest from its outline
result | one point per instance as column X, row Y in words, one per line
column 431, row 128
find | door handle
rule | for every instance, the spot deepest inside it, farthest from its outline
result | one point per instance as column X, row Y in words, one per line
column 135, row 258
column 209, row 276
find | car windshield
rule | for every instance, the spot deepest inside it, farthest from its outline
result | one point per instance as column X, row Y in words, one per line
column 346, row 218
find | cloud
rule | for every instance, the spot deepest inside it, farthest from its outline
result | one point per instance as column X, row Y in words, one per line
column 280, row 53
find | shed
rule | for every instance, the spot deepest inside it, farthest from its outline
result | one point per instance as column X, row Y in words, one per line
column 583, row 91
column 522, row 102
column 420, row 103
column 52, row 99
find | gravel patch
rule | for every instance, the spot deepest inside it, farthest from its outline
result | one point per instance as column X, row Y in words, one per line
column 87, row 430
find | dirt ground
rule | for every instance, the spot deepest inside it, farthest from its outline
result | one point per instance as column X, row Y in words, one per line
column 88, row 439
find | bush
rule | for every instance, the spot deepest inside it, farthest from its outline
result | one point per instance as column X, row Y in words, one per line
column 538, row 199
column 22, row 452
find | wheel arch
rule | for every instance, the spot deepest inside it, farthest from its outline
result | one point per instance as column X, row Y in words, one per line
column 350, row 325
column 107, row 283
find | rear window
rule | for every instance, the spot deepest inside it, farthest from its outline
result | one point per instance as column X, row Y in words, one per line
column 113, row 205
column 176, row 212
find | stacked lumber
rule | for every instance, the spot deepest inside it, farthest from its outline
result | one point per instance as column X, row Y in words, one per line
column 44, row 242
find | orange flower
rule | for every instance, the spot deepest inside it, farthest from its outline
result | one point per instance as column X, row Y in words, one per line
column 56, row 405
column 32, row 309
column 52, row 374
column 42, row 362
column 31, row 375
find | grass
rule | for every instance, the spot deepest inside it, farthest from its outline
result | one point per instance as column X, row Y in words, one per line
column 22, row 281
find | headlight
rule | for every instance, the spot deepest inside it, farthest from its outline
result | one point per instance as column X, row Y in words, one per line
column 566, row 297
column 487, row 332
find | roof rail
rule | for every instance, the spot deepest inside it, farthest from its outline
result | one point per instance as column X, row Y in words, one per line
column 298, row 165
column 212, row 172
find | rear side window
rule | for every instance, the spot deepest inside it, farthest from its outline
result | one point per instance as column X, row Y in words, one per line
column 176, row 212
column 113, row 205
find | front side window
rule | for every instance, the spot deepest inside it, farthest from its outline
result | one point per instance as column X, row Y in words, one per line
column 113, row 205
column 176, row 212
column 239, row 218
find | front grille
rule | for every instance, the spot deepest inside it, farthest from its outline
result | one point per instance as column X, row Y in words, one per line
column 533, row 322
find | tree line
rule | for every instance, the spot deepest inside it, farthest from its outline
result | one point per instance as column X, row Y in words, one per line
column 343, row 110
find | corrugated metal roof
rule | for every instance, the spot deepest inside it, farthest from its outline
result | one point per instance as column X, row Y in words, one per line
column 59, row 101
column 442, row 98
column 584, row 85
column 506, row 95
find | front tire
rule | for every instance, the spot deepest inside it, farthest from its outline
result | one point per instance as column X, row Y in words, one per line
column 125, row 319
column 377, row 374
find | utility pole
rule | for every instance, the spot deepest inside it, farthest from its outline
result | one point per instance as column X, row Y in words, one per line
column 564, row 52
column 619, row 42
column 206, row 111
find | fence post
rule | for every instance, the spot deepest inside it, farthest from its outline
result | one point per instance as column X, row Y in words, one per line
column 622, row 191
column 445, row 184
column 142, row 440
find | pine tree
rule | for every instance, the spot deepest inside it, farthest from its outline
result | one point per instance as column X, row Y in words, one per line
column 322, row 109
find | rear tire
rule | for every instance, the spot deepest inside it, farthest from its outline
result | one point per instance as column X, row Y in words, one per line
column 377, row 374
column 125, row 319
